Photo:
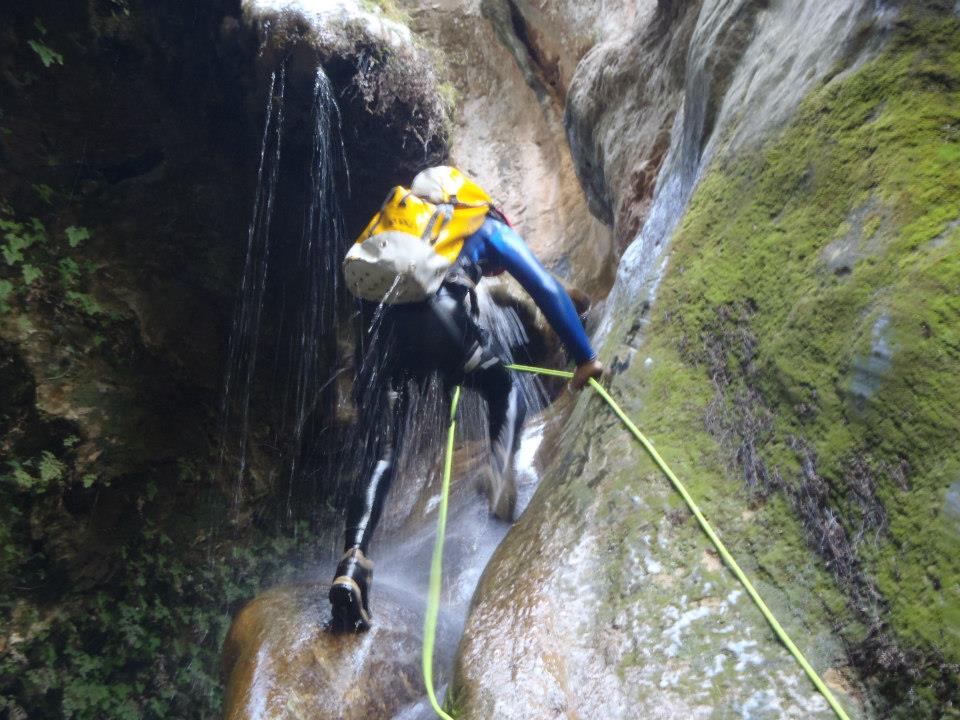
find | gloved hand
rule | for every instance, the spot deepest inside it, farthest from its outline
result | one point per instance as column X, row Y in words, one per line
column 585, row 371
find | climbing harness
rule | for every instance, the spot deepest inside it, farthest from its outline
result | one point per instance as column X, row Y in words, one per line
column 433, row 600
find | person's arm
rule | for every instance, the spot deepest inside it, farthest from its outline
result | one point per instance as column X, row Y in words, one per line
column 507, row 249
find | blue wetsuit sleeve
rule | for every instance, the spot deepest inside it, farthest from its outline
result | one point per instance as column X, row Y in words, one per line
column 505, row 248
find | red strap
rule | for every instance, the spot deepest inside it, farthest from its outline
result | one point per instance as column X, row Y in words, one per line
column 504, row 216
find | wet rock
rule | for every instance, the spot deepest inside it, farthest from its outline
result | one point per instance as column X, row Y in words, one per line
column 600, row 602
column 673, row 88
column 952, row 506
column 280, row 662
column 863, row 239
column 868, row 372
column 621, row 106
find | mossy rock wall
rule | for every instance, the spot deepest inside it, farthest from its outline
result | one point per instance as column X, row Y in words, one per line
column 798, row 371
column 813, row 301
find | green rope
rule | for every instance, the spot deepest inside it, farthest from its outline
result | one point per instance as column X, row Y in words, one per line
column 436, row 568
column 710, row 533
column 436, row 565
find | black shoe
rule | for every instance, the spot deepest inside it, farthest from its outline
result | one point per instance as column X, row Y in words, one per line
column 350, row 592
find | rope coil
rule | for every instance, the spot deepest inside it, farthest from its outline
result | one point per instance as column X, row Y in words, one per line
column 436, row 569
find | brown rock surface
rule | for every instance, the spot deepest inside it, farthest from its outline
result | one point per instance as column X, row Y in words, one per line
column 280, row 661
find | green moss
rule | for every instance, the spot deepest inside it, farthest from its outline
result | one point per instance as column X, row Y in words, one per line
column 851, row 368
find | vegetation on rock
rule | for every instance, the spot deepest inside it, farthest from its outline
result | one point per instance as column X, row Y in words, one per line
column 808, row 325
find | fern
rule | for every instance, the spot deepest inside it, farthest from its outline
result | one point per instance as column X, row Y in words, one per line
column 48, row 56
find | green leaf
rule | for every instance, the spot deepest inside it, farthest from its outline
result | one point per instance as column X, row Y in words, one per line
column 38, row 24
column 45, row 192
column 12, row 251
column 76, row 235
column 70, row 441
column 30, row 273
column 19, row 475
column 23, row 478
column 50, row 467
column 6, row 289
column 84, row 302
column 69, row 271
column 48, row 56
column 88, row 480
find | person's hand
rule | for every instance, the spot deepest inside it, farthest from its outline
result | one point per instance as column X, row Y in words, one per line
column 585, row 371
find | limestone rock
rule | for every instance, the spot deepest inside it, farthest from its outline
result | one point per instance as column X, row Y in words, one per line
column 601, row 602
column 281, row 663
column 602, row 598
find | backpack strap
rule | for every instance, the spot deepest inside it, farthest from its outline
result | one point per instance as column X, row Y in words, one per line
column 441, row 216
column 383, row 206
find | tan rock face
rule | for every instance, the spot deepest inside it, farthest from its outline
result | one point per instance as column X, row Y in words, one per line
column 511, row 139
column 280, row 661
column 620, row 113
column 559, row 34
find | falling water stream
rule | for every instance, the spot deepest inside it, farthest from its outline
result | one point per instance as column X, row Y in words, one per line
column 245, row 332
column 322, row 244
column 471, row 539
column 287, row 318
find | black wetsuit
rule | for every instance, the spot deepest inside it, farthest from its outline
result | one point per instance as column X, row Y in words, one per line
column 404, row 345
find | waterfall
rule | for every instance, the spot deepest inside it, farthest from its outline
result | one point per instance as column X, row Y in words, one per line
column 290, row 293
column 322, row 245
column 245, row 332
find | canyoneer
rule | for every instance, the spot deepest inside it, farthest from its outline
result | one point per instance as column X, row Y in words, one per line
column 415, row 267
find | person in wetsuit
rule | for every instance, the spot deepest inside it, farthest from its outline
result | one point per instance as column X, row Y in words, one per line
column 405, row 345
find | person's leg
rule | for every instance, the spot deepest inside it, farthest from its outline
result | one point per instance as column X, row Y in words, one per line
column 507, row 411
column 383, row 418
column 377, row 397
column 470, row 359
column 466, row 356
column 367, row 501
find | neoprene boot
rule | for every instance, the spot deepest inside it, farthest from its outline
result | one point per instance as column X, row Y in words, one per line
column 350, row 592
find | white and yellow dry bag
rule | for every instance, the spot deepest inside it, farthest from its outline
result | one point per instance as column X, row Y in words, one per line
column 408, row 247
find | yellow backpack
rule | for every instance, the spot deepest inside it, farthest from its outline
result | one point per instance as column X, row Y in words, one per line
column 408, row 247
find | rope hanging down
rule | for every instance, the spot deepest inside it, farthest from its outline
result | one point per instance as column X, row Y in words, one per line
column 433, row 601
column 436, row 565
